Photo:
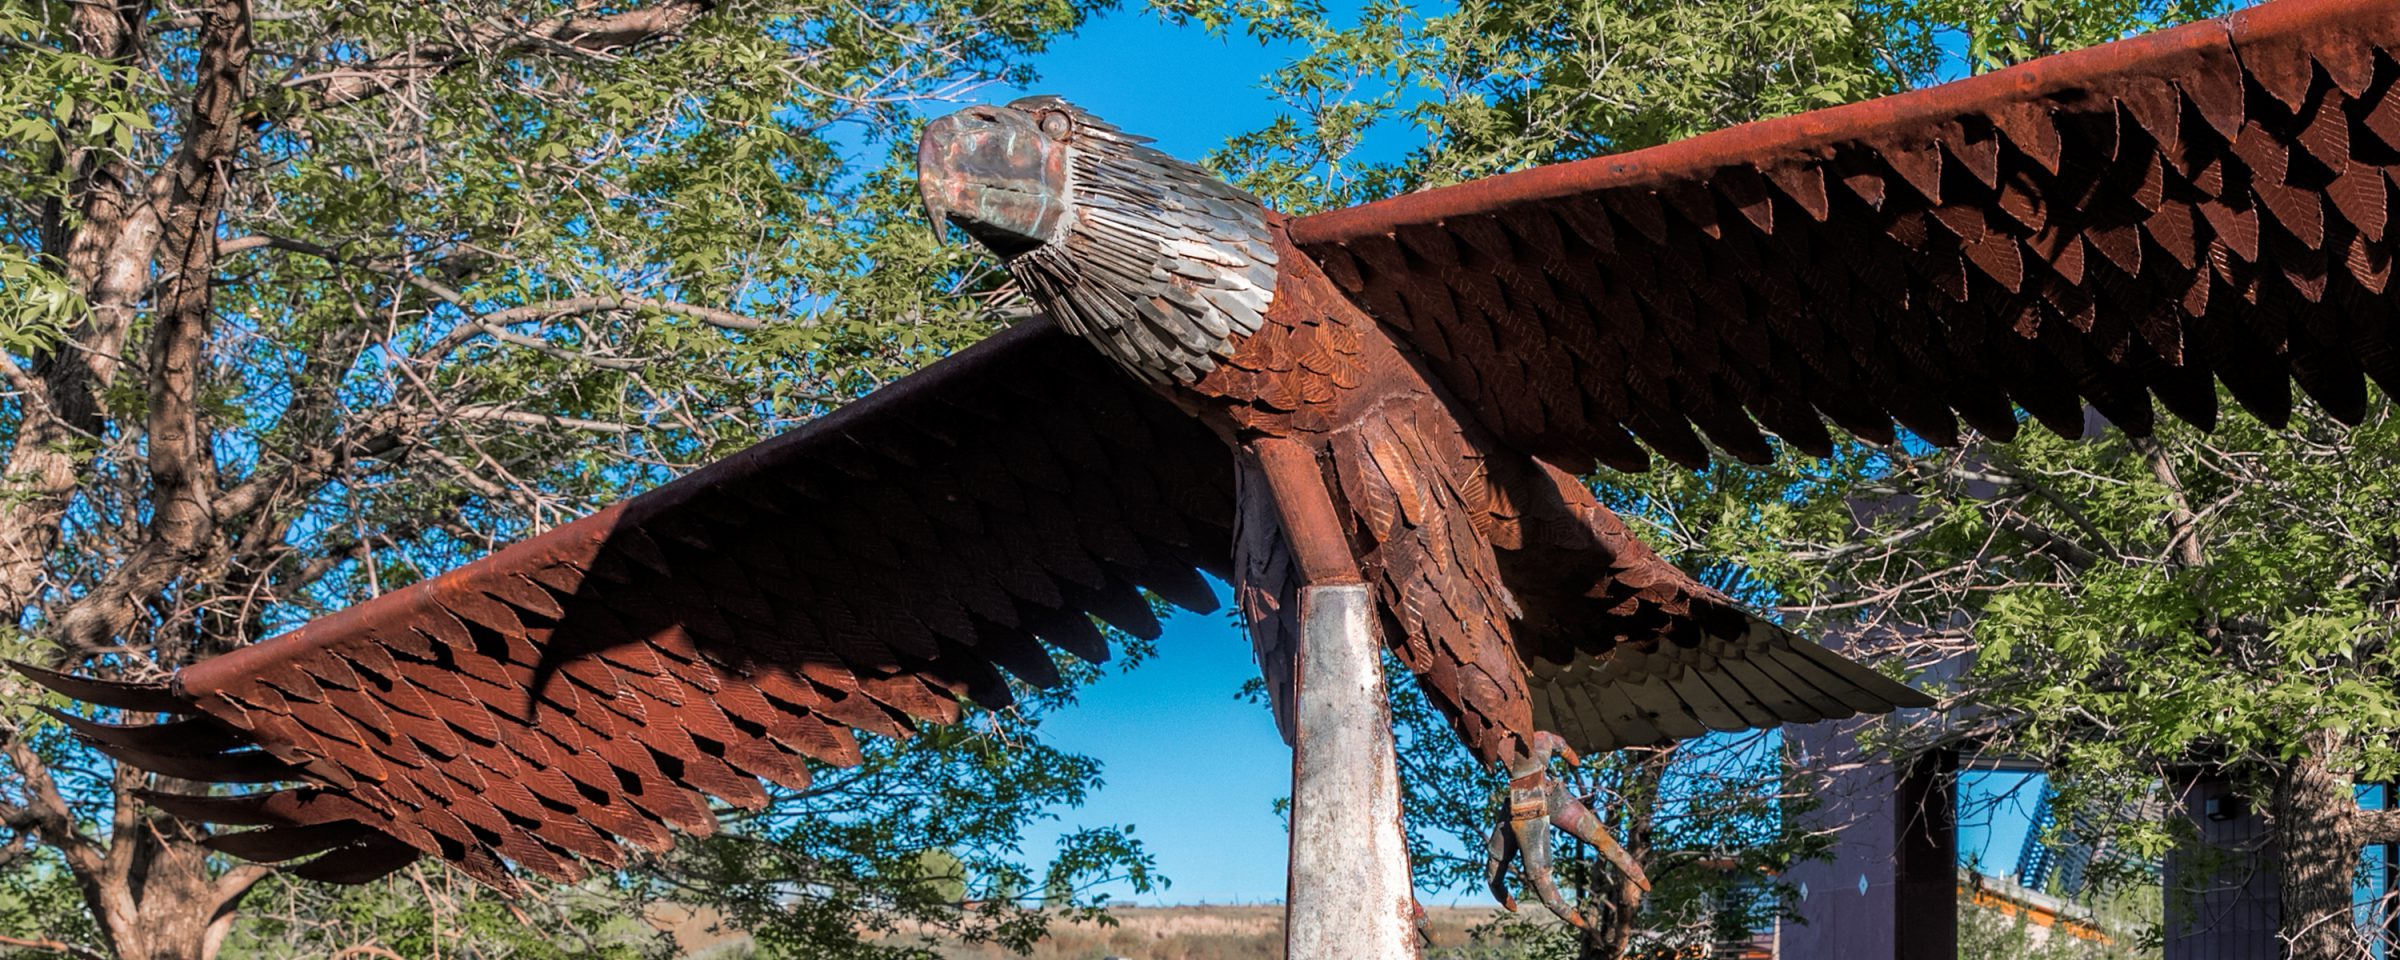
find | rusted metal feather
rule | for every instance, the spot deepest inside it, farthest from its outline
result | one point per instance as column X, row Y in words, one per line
column 1984, row 188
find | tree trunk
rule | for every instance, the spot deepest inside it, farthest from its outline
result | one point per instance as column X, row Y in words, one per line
column 151, row 890
column 139, row 243
column 1612, row 937
column 104, row 251
column 170, row 907
column 1619, row 916
column 2317, row 858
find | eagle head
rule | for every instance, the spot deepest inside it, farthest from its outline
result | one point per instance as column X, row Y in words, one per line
column 999, row 173
column 1158, row 262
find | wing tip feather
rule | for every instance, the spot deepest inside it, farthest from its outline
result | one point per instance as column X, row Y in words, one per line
column 117, row 694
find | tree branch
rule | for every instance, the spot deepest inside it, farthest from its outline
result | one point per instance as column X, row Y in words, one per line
column 2182, row 524
column 318, row 464
column 528, row 418
column 581, row 35
column 2052, row 497
column 52, row 946
column 328, row 555
column 554, row 351
column 47, row 811
column 100, row 232
column 235, row 884
column 182, row 468
column 1897, row 537
column 34, row 393
column 2045, row 539
column 2373, row 826
column 544, row 310
column 721, row 319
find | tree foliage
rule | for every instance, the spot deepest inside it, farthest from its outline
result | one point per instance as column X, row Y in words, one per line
column 2142, row 614
column 303, row 301
column 1485, row 87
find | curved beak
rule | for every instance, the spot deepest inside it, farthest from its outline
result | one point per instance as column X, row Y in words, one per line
column 937, row 215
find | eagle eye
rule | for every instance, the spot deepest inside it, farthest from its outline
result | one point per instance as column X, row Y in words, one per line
column 1056, row 125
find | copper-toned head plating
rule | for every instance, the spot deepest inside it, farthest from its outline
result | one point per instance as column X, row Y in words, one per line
column 999, row 173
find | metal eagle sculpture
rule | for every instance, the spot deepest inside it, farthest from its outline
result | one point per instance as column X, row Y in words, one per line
column 1402, row 392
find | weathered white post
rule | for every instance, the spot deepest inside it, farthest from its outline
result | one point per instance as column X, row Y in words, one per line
column 1348, row 896
column 1349, row 893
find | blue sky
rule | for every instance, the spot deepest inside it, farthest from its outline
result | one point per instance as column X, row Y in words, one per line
column 1194, row 770
column 1113, row 67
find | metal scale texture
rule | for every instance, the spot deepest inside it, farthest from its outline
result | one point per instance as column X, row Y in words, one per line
column 2139, row 220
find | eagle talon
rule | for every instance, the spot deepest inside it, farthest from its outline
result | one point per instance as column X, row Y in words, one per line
column 1538, row 801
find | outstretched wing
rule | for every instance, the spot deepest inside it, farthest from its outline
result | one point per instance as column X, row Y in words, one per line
column 597, row 683
column 2128, row 220
column 1623, row 648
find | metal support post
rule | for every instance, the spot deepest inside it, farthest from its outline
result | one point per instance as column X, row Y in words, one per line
column 1349, row 892
column 1348, row 897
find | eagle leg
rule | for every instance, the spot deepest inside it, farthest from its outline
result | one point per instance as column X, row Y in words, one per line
column 1538, row 801
column 1349, row 854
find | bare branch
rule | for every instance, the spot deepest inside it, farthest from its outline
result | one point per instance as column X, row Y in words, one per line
column 2052, row 497
column 236, row 883
column 554, row 351
column 319, row 463
column 1903, row 535
column 2373, row 826
column 721, row 319
column 46, row 809
column 490, row 322
column 2051, row 541
column 529, row 418
column 601, row 35
column 2182, row 524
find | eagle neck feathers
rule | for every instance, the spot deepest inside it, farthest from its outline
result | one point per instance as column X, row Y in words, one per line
column 1163, row 266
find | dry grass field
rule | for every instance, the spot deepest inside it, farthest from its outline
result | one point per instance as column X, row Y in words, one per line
column 1200, row 933
column 1140, row 933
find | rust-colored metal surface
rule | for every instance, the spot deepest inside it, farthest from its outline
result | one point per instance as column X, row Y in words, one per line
column 1296, row 482
column 2141, row 219
column 2125, row 221
column 595, row 684
column 1521, row 603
